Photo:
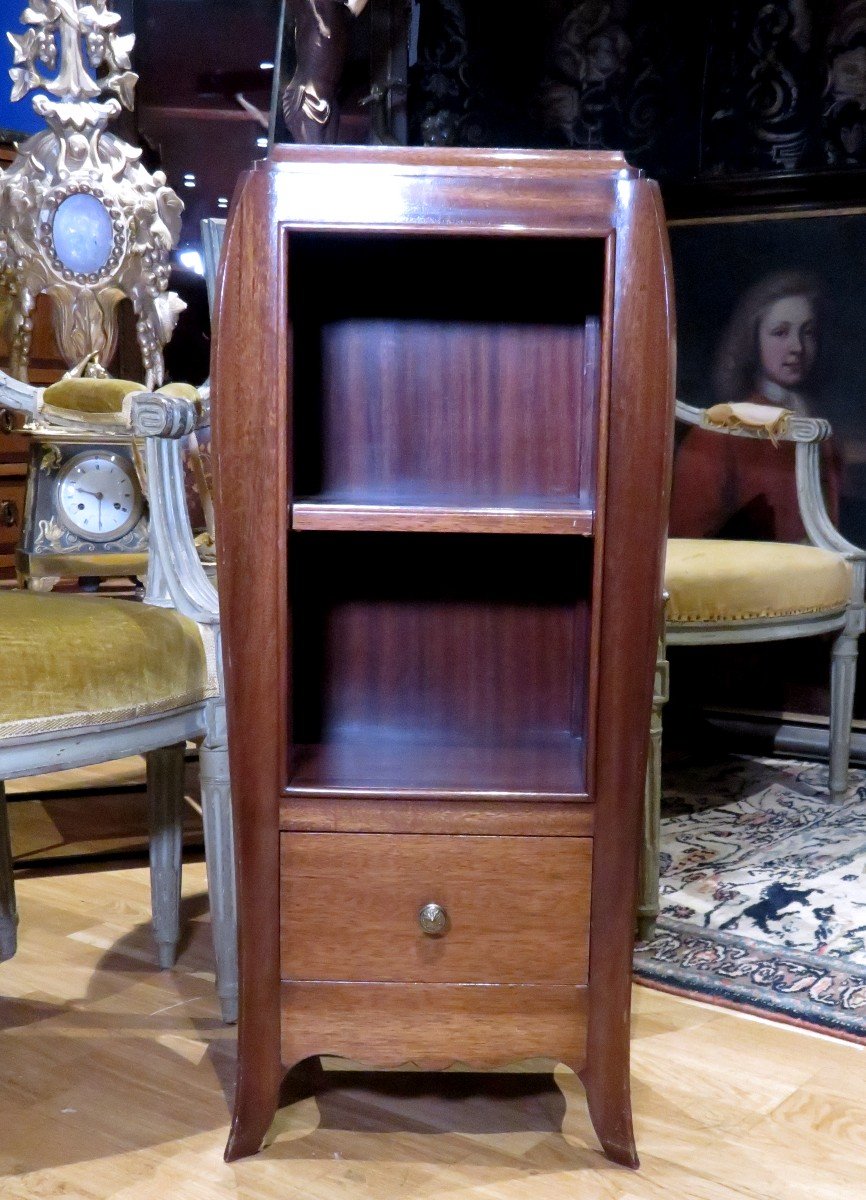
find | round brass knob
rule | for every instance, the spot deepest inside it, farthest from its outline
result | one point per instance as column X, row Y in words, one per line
column 433, row 920
column 8, row 513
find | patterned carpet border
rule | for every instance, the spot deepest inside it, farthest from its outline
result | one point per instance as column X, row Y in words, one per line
column 734, row 972
column 763, row 894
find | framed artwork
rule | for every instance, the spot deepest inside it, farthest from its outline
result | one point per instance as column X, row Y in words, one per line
column 771, row 307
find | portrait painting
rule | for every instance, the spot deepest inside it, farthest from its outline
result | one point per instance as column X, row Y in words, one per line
column 770, row 310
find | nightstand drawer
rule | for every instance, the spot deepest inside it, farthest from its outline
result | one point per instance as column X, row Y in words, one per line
column 434, row 909
column 11, row 513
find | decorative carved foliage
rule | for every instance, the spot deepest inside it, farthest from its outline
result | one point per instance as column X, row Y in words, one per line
column 688, row 91
column 844, row 101
column 445, row 91
column 761, row 88
column 76, row 156
column 609, row 79
column 591, row 73
column 74, row 25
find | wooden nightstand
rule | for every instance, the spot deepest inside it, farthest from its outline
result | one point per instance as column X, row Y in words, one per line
column 443, row 418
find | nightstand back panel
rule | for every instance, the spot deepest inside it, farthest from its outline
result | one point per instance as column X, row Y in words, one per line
column 445, row 369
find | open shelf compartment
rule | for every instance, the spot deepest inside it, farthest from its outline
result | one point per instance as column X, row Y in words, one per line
column 445, row 383
column 456, row 667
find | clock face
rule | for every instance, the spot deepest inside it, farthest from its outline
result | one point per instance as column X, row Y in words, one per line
column 98, row 496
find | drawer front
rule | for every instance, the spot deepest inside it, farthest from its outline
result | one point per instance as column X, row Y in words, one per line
column 516, row 908
column 11, row 513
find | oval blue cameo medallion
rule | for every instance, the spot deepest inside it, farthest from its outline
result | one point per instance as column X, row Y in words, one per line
column 82, row 233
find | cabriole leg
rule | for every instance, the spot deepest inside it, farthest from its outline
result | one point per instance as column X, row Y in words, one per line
column 8, row 911
column 165, row 779
column 219, row 853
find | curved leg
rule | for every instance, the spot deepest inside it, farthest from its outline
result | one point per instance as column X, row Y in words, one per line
column 843, row 675
column 256, row 1105
column 648, row 887
column 220, row 856
column 165, row 800
column 609, row 1103
column 250, row 1128
column 8, row 911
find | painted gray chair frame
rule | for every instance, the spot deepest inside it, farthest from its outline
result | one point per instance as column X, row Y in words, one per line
column 847, row 624
column 176, row 580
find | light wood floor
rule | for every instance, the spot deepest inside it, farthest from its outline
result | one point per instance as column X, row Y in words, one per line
column 90, row 811
column 115, row 1081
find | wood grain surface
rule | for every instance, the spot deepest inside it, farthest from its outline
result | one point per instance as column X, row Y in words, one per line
column 522, row 516
column 304, row 814
column 434, row 1026
column 518, row 908
column 457, row 330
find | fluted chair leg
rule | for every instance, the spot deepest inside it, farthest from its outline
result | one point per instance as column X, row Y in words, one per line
column 8, row 911
column 648, row 887
column 219, row 853
column 843, row 676
column 165, row 780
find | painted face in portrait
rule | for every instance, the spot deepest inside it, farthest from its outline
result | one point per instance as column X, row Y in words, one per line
column 788, row 341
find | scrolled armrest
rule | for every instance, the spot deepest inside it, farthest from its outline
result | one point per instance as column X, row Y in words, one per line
column 162, row 420
column 153, row 414
column 793, row 429
column 18, row 396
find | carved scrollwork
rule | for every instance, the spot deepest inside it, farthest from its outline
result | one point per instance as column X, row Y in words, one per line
column 451, row 103
column 154, row 415
column 606, row 85
column 760, row 88
column 77, row 160
column 844, row 100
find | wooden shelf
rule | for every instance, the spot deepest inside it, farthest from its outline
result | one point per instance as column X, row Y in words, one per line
column 324, row 515
column 371, row 767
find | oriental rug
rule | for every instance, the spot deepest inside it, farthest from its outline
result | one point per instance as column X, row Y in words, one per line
column 763, row 893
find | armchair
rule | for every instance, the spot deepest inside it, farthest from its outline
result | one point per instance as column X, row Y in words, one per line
column 720, row 591
column 89, row 678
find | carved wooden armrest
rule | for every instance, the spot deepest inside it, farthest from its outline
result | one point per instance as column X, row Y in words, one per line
column 154, row 414
column 813, row 509
column 792, row 429
column 176, row 575
column 18, row 396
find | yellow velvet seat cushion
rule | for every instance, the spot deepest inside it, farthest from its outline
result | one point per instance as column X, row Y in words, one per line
column 82, row 397
column 184, row 391
column 92, row 396
column 710, row 579
column 70, row 660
